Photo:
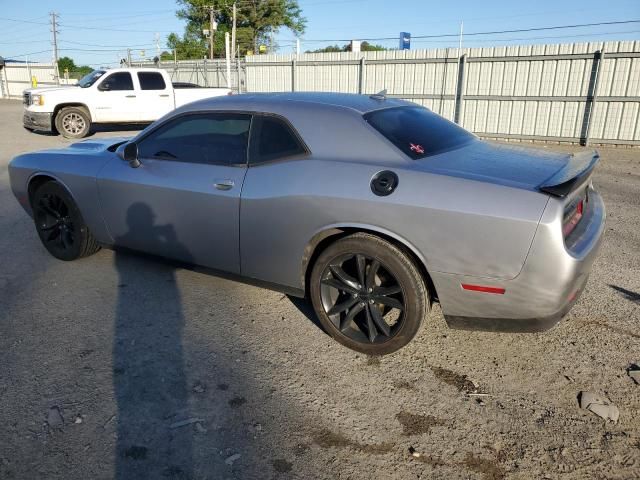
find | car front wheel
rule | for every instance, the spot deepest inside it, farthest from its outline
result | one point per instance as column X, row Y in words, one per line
column 59, row 223
column 368, row 294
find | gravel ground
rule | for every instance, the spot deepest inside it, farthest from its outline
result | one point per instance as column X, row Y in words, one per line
column 120, row 366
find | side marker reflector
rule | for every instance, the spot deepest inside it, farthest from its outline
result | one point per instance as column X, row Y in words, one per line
column 483, row 289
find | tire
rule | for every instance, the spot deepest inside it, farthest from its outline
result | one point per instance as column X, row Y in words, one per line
column 368, row 294
column 73, row 122
column 59, row 223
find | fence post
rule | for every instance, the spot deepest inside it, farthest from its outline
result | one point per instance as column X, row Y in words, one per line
column 361, row 77
column 293, row 75
column 462, row 63
column 592, row 95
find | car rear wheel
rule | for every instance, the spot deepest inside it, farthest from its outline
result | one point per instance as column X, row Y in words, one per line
column 368, row 294
column 59, row 223
column 73, row 122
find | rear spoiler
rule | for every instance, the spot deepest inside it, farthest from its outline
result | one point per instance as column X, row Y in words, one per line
column 578, row 167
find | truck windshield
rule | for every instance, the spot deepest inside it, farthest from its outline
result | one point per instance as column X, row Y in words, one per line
column 90, row 78
column 418, row 132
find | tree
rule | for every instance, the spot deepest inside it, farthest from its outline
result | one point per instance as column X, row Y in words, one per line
column 67, row 64
column 364, row 47
column 256, row 21
column 370, row 47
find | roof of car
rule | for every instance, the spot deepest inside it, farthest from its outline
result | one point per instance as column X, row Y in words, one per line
column 359, row 103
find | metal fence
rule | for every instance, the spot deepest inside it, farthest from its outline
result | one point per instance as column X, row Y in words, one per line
column 582, row 92
column 16, row 77
column 206, row 73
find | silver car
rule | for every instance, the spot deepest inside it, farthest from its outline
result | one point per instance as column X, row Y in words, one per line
column 372, row 207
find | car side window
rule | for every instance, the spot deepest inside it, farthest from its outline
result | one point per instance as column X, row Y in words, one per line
column 208, row 138
column 274, row 140
column 117, row 81
column 151, row 81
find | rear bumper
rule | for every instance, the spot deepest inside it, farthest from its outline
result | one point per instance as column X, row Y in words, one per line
column 549, row 284
column 37, row 121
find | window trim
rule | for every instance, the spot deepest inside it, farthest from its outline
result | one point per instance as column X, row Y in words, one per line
column 155, row 128
column 104, row 79
column 254, row 157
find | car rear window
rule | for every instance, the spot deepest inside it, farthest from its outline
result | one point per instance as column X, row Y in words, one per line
column 151, row 81
column 418, row 132
column 275, row 140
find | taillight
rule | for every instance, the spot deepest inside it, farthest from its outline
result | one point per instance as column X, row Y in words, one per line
column 572, row 216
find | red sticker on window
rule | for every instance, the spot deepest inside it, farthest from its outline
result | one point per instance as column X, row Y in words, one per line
column 417, row 148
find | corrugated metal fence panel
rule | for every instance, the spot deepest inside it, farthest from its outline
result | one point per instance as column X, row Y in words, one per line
column 620, row 77
column 541, row 93
column 537, row 115
column 209, row 73
column 17, row 77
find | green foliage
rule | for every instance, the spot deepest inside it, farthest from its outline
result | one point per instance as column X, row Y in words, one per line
column 364, row 47
column 65, row 63
column 369, row 47
column 75, row 71
column 256, row 21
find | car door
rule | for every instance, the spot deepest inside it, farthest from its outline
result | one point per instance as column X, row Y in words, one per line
column 116, row 99
column 183, row 202
column 155, row 96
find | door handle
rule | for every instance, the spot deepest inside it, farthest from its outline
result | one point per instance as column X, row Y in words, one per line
column 224, row 184
column 131, row 96
column 165, row 95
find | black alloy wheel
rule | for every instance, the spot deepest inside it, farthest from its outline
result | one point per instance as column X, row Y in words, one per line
column 362, row 298
column 368, row 294
column 59, row 223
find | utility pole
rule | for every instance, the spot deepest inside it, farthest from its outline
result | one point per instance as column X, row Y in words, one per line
column 212, row 28
column 54, row 41
column 233, row 30
column 227, row 52
column 128, row 57
column 158, row 45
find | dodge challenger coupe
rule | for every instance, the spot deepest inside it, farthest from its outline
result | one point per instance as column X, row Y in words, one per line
column 372, row 207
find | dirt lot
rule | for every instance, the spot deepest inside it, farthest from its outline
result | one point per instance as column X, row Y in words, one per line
column 120, row 366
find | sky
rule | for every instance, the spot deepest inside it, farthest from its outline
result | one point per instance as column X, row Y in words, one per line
column 99, row 33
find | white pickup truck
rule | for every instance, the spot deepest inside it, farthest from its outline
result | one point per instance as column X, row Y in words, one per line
column 119, row 95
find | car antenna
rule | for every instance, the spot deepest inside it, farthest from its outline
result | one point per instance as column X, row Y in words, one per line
column 380, row 95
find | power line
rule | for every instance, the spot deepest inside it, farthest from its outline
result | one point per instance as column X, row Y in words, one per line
column 495, row 32
column 532, row 38
column 29, row 53
column 23, row 21
column 109, row 46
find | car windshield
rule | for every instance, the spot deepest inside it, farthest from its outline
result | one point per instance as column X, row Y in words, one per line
column 418, row 132
column 90, row 78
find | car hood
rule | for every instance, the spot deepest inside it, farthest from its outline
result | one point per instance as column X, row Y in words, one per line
column 40, row 90
column 91, row 146
column 512, row 166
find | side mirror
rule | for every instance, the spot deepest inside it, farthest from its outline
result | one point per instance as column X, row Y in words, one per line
column 105, row 87
column 130, row 154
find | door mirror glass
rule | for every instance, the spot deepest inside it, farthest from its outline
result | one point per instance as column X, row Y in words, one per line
column 130, row 154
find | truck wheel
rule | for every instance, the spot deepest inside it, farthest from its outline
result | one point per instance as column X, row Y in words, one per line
column 73, row 122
